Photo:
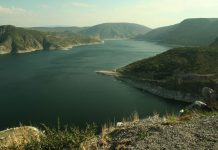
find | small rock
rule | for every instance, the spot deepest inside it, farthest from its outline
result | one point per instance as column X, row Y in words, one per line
column 120, row 124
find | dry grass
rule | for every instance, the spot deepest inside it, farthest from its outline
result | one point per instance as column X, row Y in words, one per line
column 134, row 117
column 16, row 138
column 112, row 127
column 174, row 119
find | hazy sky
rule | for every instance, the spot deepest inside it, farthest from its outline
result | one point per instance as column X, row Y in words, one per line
column 152, row 13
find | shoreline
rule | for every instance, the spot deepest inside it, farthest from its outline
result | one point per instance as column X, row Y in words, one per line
column 28, row 51
column 81, row 44
column 160, row 91
column 117, row 39
column 61, row 48
column 152, row 88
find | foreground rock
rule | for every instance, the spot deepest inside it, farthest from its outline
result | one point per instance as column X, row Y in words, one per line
column 155, row 133
column 16, row 138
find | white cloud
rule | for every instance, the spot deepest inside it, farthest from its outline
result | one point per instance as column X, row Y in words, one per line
column 79, row 4
column 12, row 10
column 152, row 13
column 44, row 6
column 17, row 16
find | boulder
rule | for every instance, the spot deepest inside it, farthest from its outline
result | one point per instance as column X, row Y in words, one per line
column 210, row 97
column 196, row 106
column 208, row 93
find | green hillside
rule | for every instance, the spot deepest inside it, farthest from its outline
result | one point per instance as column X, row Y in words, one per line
column 61, row 40
column 116, row 30
column 183, row 69
column 20, row 40
column 59, row 29
column 13, row 39
column 190, row 32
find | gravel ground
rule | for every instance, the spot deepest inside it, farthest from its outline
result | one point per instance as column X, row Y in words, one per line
column 155, row 133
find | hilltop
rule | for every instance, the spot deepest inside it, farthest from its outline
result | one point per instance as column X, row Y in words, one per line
column 116, row 30
column 179, row 73
column 190, row 32
column 104, row 30
column 19, row 40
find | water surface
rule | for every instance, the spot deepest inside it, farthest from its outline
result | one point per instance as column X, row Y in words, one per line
column 39, row 87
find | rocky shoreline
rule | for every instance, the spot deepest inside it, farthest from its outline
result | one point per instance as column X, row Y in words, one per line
column 152, row 88
column 160, row 91
column 52, row 48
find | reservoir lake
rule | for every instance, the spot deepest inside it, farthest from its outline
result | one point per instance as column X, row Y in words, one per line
column 42, row 86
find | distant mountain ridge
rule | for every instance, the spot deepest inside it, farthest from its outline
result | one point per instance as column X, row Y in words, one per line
column 59, row 29
column 104, row 30
column 19, row 40
column 116, row 30
column 190, row 32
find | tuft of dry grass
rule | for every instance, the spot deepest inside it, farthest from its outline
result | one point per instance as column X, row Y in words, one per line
column 112, row 127
column 174, row 119
column 134, row 117
column 68, row 138
column 17, row 138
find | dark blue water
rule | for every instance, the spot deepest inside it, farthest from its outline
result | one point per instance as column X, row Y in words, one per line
column 39, row 87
